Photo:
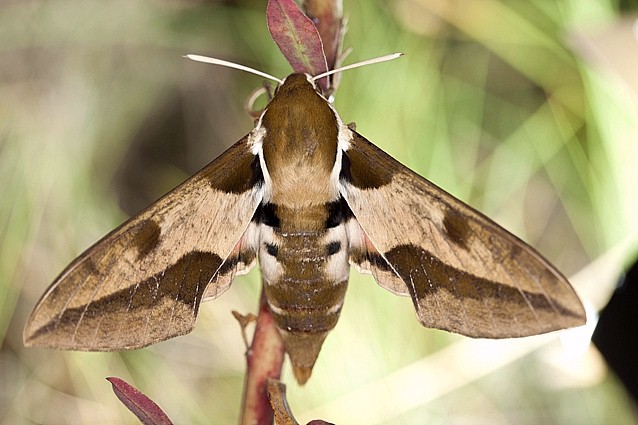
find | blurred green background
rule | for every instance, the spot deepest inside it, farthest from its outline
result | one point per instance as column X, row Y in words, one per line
column 524, row 109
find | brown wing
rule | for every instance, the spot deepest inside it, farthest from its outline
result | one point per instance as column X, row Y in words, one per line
column 464, row 273
column 143, row 282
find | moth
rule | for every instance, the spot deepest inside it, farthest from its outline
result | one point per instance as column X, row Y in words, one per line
column 309, row 197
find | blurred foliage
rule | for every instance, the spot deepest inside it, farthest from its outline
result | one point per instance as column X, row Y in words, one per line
column 100, row 115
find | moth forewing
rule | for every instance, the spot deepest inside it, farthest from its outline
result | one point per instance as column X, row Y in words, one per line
column 143, row 282
column 464, row 273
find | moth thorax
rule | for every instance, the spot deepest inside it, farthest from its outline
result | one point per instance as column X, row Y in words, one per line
column 301, row 187
column 300, row 144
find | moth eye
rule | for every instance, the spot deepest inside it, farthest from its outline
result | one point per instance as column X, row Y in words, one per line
column 271, row 249
column 333, row 247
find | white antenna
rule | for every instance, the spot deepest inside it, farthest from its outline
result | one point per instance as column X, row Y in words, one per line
column 358, row 64
column 222, row 62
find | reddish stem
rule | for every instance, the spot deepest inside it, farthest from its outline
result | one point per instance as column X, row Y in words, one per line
column 264, row 360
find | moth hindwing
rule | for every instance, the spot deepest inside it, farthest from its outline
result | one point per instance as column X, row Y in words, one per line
column 309, row 197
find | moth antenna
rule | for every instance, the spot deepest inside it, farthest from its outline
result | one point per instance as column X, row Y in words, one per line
column 358, row 64
column 215, row 61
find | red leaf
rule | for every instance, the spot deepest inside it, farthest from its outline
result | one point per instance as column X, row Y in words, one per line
column 296, row 36
column 143, row 407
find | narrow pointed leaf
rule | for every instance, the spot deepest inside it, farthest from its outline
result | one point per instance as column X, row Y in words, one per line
column 146, row 410
column 297, row 37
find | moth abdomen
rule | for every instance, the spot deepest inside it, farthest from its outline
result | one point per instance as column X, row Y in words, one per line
column 305, row 311
column 304, row 315
column 305, row 269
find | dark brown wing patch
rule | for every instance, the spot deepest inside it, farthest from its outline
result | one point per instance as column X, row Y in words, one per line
column 354, row 171
column 487, row 309
column 157, row 312
column 457, row 228
column 146, row 237
column 238, row 176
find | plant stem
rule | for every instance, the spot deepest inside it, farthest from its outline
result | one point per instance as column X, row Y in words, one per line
column 264, row 360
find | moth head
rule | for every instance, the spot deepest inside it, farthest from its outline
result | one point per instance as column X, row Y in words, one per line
column 295, row 82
